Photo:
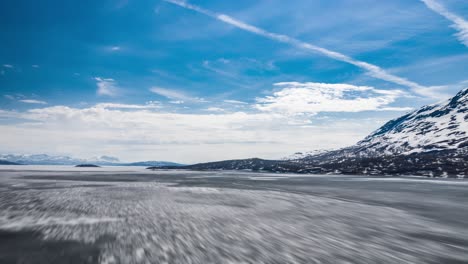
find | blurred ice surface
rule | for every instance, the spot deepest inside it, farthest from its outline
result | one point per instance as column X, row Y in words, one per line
column 128, row 215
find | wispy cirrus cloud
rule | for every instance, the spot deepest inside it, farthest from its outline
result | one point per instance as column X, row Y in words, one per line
column 234, row 102
column 312, row 98
column 235, row 68
column 32, row 101
column 106, row 86
column 215, row 109
column 149, row 105
column 5, row 68
column 176, row 96
column 459, row 23
column 371, row 69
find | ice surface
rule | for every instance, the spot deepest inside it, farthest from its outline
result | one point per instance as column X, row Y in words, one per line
column 172, row 217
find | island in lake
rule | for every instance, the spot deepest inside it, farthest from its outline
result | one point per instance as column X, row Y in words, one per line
column 87, row 166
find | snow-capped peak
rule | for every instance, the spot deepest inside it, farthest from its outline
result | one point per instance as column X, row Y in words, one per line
column 438, row 126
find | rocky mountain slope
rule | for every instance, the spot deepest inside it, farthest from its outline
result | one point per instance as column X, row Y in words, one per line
column 430, row 141
column 436, row 127
column 254, row 164
column 302, row 155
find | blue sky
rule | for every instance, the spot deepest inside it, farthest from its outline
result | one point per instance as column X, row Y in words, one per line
column 205, row 80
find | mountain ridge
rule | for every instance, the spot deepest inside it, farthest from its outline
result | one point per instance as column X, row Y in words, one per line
column 44, row 159
column 430, row 141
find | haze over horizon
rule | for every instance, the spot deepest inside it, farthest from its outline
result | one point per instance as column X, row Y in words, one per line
column 199, row 81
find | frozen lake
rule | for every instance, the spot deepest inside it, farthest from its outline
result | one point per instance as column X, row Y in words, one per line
column 61, row 214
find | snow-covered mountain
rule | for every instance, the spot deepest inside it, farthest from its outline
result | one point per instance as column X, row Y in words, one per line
column 41, row 159
column 44, row 159
column 441, row 126
column 431, row 141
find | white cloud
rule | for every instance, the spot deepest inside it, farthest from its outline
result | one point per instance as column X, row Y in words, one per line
column 141, row 132
column 115, row 48
column 312, row 98
column 8, row 96
column 32, row 101
column 35, row 66
column 234, row 102
column 135, row 133
column 176, row 96
column 149, row 105
column 371, row 69
column 8, row 66
column 215, row 109
column 106, row 86
column 459, row 24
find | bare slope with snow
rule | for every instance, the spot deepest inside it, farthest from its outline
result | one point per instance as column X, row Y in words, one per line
column 431, row 141
column 439, row 126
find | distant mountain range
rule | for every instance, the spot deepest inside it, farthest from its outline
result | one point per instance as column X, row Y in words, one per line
column 430, row 141
column 6, row 162
column 44, row 159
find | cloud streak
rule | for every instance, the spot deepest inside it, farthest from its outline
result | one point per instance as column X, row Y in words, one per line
column 177, row 96
column 459, row 24
column 32, row 101
column 371, row 69
column 149, row 105
column 234, row 102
